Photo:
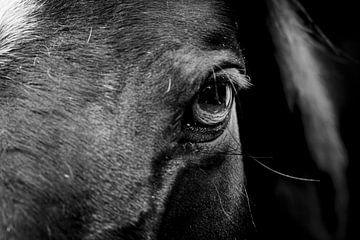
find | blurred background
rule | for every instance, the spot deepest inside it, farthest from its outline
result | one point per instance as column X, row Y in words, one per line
column 340, row 21
column 284, row 208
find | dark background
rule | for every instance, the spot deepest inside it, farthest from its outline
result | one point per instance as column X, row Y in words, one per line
column 340, row 22
column 285, row 208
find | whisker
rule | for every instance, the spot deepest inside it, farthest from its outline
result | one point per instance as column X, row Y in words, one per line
column 169, row 86
column 89, row 37
column 238, row 153
column 249, row 206
column 283, row 174
column 273, row 170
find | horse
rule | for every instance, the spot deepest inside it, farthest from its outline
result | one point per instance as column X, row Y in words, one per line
column 132, row 119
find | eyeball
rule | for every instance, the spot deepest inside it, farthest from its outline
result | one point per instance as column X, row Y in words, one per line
column 213, row 103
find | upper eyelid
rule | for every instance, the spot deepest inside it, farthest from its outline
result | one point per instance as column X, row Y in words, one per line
column 192, row 68
column 240, row 80
column 233, row 74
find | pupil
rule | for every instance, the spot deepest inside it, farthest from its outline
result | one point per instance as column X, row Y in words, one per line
column 214, row 94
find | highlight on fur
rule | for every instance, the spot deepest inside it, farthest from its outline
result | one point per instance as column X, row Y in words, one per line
column 17, row 21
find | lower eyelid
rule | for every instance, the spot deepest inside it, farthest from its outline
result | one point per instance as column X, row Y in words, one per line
column 207, row 118
column 197, row 132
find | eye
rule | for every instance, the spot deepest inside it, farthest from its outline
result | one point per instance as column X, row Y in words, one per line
column 213, row 103
column 209, row 113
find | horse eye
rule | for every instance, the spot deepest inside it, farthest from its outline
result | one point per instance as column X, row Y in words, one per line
column 209, row 112
column 213, row 103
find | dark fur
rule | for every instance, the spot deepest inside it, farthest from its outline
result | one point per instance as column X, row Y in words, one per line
column 88, row 147
column 91, row 142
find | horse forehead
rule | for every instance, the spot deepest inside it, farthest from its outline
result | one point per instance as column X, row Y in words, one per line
column 194, row 21
column 197, row 21
column 155, row 26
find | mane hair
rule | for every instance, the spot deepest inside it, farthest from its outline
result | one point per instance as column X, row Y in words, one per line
column 303, row 57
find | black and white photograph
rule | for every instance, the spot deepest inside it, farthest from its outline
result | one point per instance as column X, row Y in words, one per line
column 179, row 119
